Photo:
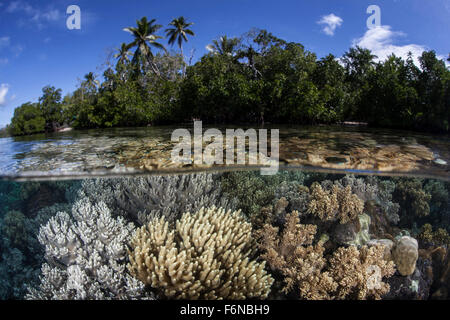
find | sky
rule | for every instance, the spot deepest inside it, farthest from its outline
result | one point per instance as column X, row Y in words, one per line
column 38, row 49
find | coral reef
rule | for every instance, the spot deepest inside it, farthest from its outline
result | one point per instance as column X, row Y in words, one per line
column 438, row 237
column 77, row 240
column 335, row 204
column 293, row 254
column 355, row 232
column 13, row 229
column 348, row 274
column 372, row 190
column 255, row 191
column 413, row 199
column 22, row 255
column 360, row 272
column 441, row 269
column 386, row 243
column 296, row 195
column 85, row 256
column 206, row 256
column 416, row 286
column 139, row 199
column 439, row 195
column 405, row 254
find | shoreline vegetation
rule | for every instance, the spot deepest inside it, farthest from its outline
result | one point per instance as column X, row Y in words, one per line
column 256, row 78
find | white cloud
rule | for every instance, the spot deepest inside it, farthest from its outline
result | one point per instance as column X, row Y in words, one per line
column 330, row 22
column 38, row 16
column 4, row 42
column 3, row 91
column 380, row 39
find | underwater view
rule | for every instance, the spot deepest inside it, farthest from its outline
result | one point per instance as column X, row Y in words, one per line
column 228, row 235
column 266, row 154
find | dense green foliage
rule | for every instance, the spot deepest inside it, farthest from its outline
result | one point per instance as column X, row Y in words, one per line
column 27, row 119
column 256, row 78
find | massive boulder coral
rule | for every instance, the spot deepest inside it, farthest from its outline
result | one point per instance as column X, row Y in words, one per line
column 139, row 199
column 335, row 204
column 360, row 272
column 208, row 255
column 293, row 254
column 405, row 254
column 86, row 254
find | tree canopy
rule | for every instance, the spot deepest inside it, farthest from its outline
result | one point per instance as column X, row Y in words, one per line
column 256, row 78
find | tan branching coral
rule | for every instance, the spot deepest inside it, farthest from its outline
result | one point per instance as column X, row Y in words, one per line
column 438, row 237
column 350, row 273
column 336, row 204
column 294, row 255
column 206, row 256
column 360, row 272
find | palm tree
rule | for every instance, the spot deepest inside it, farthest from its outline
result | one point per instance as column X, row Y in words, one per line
column 224, row 46
column 89, row 82
column 123, row 53
column 179, row 32
column 144, row 39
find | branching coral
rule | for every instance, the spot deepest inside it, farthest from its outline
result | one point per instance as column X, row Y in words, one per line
column 350, row 273
column 13, row 229
column 413, row 199
column 252, row 190
column 21, row 254
column 255, row 191
column 142, row 198
column 297, row 195
column 359, row 272
column 206, row 256
column 292, row 253
column 438, row 237
column 335, row 204
column 85, row 254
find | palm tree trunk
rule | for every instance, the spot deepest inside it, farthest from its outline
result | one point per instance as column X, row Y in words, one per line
column 184, row 62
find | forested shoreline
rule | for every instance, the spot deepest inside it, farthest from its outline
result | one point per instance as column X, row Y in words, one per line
column 256, row 78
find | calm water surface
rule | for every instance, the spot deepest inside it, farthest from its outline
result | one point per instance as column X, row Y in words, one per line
column 141, row 150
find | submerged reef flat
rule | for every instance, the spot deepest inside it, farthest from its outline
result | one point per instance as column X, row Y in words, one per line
column 148, row 150
column 226, row 235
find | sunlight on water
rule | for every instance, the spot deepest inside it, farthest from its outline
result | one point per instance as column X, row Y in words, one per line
column 141, row 150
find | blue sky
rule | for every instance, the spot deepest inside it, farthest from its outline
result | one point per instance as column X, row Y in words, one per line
column 37, row 49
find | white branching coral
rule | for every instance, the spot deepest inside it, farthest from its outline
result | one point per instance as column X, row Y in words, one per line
column 142, row 198
column 86, row 256
column 206, row 256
